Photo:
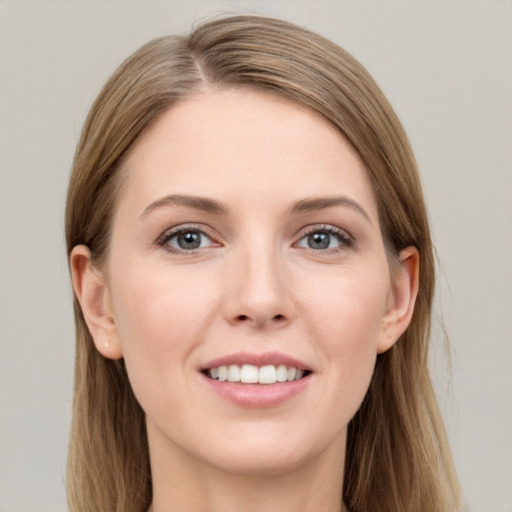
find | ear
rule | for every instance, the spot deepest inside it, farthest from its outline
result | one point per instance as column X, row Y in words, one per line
column 404, row 290
column 92, row 292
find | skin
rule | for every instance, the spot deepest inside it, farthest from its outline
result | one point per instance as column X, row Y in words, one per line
column 254, row 285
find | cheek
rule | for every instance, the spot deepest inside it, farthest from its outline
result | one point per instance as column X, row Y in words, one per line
column 159, row 322
column 349, row 308
column 347, row 317
column 156, row 306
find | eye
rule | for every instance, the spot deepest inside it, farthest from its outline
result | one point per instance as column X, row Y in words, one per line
column 325, row 238
column 185, row 239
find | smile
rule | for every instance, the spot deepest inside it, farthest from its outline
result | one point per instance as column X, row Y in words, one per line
column 252, row 380
column 251, row 374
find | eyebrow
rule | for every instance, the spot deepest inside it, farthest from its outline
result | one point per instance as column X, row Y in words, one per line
column 320, row 203
column 211, row 206
column 196, row 202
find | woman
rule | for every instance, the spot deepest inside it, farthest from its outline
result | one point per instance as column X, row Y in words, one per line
column 254, row 274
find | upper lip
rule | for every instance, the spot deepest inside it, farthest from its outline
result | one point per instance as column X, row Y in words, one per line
column 263, row 359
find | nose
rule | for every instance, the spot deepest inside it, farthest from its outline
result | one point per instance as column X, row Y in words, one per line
column 258, row 291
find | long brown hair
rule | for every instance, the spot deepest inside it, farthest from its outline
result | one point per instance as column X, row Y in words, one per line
column 397, row 456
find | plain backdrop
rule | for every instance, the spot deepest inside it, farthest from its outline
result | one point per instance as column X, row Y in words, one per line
column 446, row 68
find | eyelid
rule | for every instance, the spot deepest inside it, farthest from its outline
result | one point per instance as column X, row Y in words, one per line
column 330, row 228
column 345, row 238
column 169, row 233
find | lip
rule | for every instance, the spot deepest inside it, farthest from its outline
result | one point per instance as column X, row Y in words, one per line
column 257, row 395
column 259, row 360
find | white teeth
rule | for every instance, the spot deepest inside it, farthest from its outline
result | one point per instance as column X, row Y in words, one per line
column 234, row 373
column 267, row 375
column 282, row 373
column 250, row 374
column 223, row 373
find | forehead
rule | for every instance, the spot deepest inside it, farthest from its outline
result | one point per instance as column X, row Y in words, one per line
column 234, row 141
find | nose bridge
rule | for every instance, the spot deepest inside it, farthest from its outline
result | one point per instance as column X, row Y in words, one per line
column 259, row 291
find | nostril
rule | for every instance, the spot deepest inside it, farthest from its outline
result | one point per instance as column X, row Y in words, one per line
column 279, row 318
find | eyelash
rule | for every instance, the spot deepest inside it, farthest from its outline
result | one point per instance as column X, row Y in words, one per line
column 164, row 239
column 345, row 240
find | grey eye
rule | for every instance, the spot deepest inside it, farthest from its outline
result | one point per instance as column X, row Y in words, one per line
column 325, row 238
column 319, row 240
column 188, row 240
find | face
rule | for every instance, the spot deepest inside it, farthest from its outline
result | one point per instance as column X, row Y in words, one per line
column 247, row 283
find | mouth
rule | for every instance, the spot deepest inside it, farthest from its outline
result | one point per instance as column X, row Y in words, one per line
column 252, row 374
column 251, row 380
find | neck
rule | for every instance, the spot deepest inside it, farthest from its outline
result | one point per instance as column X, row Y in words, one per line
column 179, row 485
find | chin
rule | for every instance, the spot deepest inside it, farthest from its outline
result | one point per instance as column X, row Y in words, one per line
column 270, row 453
column 262, row 464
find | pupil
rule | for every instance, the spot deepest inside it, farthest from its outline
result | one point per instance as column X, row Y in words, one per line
column 189, row 240
column 318, row 240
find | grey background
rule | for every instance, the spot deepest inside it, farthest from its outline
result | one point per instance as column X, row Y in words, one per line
column 447, row 69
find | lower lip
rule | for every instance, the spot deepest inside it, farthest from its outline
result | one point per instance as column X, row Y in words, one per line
column 258, row 395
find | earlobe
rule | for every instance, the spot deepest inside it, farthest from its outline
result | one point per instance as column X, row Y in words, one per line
column 93, row 295
column 405, row 282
